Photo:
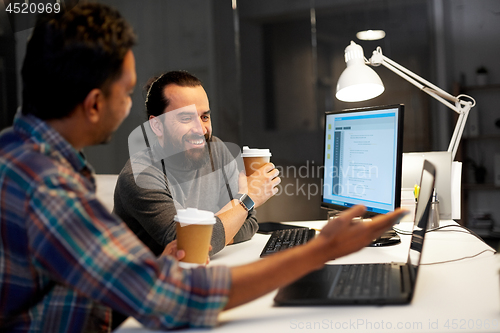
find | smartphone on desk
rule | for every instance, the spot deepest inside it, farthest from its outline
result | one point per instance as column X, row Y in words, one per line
column 269, row 227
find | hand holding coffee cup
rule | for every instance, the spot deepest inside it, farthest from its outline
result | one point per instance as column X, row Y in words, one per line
column 194, row 232
column 262, row 176
column 172, row 250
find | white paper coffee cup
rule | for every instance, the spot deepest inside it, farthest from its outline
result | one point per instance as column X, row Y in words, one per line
column 194, row 232
column 255, row 158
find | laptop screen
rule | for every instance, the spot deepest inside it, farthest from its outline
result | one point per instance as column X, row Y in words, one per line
column 363, row 158
column 427, row 182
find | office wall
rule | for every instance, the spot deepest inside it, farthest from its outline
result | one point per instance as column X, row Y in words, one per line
column 475, row 29
column 474, row 34
column 172, row 35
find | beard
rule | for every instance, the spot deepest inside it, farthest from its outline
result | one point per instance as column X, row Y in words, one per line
column 187, row 159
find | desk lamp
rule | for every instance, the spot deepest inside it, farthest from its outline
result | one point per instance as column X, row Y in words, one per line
column 358, row 82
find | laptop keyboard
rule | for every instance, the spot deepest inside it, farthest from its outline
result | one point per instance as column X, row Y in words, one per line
column 284, row 239
column 362, row 281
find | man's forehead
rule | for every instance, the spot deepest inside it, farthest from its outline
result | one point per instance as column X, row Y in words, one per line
column 180, row 96
column 189, row 109
column 185, row 110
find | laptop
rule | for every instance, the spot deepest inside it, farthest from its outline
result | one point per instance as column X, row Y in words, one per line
column 384, row 283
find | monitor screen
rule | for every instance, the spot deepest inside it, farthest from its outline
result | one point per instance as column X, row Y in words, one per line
column 363, row 158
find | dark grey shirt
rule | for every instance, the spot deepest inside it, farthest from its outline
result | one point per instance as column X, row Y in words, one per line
column 147, row 203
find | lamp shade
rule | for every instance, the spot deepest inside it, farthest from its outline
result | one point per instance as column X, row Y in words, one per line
column 358, row 82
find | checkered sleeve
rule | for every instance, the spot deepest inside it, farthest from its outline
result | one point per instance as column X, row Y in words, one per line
column 77, row 242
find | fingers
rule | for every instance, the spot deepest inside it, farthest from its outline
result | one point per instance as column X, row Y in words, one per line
column 335, row 227
column 353, row 212
column 269, row 167
column 390, row 218
column 384, row 222
column 343, row 236
column 273, row 175
column 275, row 182
column 381, row 223
column 171, row 248
column 347, row 216
column 263, row 183
column 180, row 254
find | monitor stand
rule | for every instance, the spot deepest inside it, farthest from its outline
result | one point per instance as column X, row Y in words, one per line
column 390, row 237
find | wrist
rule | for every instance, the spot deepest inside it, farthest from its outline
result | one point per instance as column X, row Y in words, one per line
column 319, row 251
column 245, row 201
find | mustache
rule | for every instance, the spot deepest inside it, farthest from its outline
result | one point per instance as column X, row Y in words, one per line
column 193, row 137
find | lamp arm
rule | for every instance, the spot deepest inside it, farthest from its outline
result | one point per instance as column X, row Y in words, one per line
column 462, row 107
column 419, row 79
column 459, row 128
column 430, row 91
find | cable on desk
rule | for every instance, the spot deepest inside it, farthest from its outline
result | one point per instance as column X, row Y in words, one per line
column 452, row 260
column 460, row 226
column 402, row 232
column 467, row 231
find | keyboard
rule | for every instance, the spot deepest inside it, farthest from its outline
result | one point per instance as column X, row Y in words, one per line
column 284, row 239
column 366, row 281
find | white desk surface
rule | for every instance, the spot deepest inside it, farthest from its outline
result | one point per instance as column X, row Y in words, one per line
column 461, row 296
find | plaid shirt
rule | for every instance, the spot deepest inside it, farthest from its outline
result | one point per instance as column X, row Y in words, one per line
column 65, row 260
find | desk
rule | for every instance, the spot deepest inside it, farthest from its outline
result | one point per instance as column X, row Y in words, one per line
column 462, row 296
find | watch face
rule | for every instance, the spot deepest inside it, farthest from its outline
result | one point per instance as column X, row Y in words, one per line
column 245, row 201
column 248, row 202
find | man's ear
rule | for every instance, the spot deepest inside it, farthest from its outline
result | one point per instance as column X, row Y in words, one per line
column 93, row 105
column 156, row 125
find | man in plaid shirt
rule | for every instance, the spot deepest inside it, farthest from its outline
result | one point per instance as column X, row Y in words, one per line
column 65, row 262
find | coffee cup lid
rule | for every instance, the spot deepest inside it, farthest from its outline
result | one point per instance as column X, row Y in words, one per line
column 254, row 152
column 194, row 216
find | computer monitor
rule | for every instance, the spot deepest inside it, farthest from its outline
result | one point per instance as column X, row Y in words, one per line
column 363, row 158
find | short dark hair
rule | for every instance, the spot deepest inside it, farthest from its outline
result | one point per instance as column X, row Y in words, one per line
column 71, row 53
column 156, row 101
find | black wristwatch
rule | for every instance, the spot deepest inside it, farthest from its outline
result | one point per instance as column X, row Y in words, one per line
column 245, row 201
